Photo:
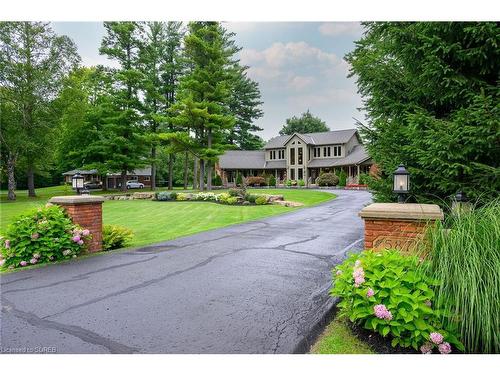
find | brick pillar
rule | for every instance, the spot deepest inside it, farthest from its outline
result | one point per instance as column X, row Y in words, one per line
column 397, row 226
column 86, row 211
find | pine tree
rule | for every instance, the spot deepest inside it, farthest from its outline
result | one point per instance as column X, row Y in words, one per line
column 122, row 134
column 204, row 93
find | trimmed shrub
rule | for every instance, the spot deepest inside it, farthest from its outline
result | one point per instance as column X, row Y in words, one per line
column 251, row 198
column 115, row 236
column 166, row 196
column 205, row 197
column 327, row 179
column 40, row 236
column 389, row 293
column 239, row 179
column 465, row 257
column 288, row 183
column 342, row 178
column 301, row 183
column 182, row 197
column 260, row 200
column 272, row 181
column 232, row 200
column 256, row 181
column 223, row 198
column 217, row 180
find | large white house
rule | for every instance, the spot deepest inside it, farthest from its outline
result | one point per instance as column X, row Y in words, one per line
column 300, row 157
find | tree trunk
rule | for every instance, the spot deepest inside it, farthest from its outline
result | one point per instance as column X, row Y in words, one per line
column 170, row 171
column 31, row 181
column 104, row 180
column 195, row 173
column 153, row 168
column 124, row 180
column 11, row 163
column 209, row 162
column 185, row 170
column 202, row 175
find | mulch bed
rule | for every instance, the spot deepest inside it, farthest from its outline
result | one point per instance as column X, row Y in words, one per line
column 378, row 343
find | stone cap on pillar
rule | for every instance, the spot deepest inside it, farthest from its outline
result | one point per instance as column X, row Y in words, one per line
column 402, row 211
column 76, row 199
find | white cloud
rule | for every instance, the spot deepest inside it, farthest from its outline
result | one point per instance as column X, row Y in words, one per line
column 341, row 28
column 300, row 82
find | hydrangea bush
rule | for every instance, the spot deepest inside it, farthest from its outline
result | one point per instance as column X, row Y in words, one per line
column 43, row 235
column 232, row 197
column 387, row 292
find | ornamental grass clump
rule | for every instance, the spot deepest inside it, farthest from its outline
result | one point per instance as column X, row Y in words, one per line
column 40, row 236
column 389, row 293
column 465, row 258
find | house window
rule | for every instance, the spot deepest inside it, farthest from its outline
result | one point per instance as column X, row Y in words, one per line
column 301, row 174
column 335, row 151
column 292, row 173
column 292, row 157
column 329, row 151
column 308, row 153
column 282, row 154
column 324, row 151
column 135, row 178
column 300, row 161
column 147, row 178
column 274, row 154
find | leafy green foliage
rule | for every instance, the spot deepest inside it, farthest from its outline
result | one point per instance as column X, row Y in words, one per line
column 166, row 196
column 399, row 284
column 364, row 178
column 217, row 180
column 256, row 181
column 261, row 200
column 272, row 180
column 465, row 257
column 239, row 180
column 115, row 237
column 306, row 123
column 327, row 179
column 342, row 178
column 431, row 93
column 42, row 235
column 301, row 183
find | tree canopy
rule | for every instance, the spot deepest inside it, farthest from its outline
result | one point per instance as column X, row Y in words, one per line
column 306, row 123
column 432, row 98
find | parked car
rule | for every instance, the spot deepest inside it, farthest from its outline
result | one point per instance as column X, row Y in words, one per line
column 134, row 185
column 93, row 185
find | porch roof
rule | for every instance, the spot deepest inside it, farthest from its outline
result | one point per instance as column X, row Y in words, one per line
column 357, row 156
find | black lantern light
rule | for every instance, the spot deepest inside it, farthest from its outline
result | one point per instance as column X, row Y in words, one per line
column 401, row 183
column 77, row 182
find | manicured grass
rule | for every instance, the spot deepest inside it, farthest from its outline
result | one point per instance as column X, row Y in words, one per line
column 154, row 221
column 338, row 339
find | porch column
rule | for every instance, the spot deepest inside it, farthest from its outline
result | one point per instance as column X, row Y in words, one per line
column 358, row 173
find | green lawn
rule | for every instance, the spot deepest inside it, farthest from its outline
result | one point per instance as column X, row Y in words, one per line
column 338, row 339
column 154, row 221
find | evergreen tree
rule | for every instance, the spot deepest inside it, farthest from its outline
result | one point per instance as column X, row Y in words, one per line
column 122, row 137
column 244, row 103
column 306, row 123
column 33, row 61
column 203, row 93
column 431, row 93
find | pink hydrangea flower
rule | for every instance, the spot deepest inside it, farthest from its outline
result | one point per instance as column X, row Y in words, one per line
column 381, row 312
column 444, row 348
column 7, row 244
column 23, row 263
column 428, row 303
column 35, row 236
column 358, row 281
column 33, row 260
column 76, row 238
column 436, row 338
column 85, row 232
column 370, row 293
column 80, row 242
column 338, row 273
column 358, row 272
column 427, row 348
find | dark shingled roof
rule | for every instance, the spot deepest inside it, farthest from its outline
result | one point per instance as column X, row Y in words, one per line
column 323, row 138
column 243, row 160
column 357, row 156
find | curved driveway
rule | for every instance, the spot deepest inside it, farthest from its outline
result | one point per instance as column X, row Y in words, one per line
column 259, row 287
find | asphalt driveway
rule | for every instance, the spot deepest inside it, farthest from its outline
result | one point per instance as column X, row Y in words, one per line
column 259, row 287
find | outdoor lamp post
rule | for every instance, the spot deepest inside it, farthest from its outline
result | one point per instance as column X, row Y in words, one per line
column 77, row 182
column 401, row 183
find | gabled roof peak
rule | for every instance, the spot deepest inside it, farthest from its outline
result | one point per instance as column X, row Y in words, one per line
column 320, row 138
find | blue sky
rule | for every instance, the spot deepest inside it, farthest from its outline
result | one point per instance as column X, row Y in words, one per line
column 298, row 65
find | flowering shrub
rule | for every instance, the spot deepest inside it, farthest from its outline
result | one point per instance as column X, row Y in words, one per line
column 43, row 235
column 115, row 237
column 182, row 197
column 205, row 197
column 234, row 196
column 387, row 293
